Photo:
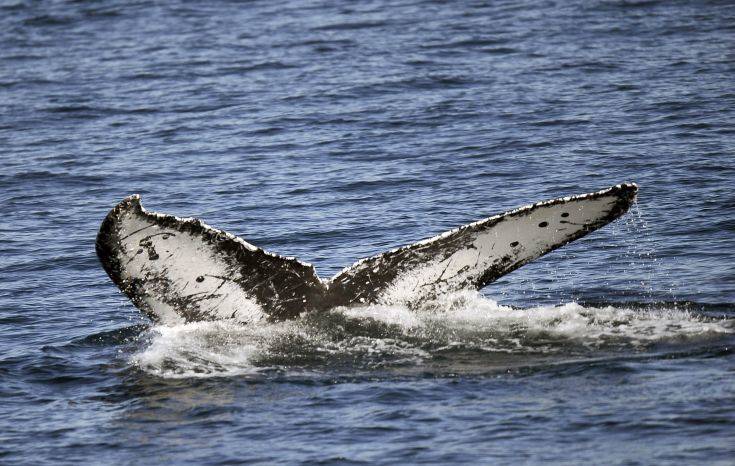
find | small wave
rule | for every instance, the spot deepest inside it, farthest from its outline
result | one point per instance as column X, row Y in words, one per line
column 468, row 43
column 626, row 5
column 499, row 50
column 48, row 20
column 560, row 122
column 382, row 337
column 350, row 26
column 110, row 337
column 264, row 66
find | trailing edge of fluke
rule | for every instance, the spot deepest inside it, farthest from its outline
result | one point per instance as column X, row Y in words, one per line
column 181, row 269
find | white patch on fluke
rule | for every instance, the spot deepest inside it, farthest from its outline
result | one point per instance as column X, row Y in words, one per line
column 191, row 268
column 517, row 239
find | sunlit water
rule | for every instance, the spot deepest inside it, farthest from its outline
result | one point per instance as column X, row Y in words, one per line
column 334, row 131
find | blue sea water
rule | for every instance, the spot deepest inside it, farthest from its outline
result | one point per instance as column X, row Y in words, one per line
column 335, row 130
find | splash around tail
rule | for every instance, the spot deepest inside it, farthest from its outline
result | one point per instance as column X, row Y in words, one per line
column 182, row 270
column 462, row 333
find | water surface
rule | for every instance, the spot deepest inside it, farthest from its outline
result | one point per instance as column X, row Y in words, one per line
column 331, row 131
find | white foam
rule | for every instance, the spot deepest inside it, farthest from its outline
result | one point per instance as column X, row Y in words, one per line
column 378, row 336
column 200, row 349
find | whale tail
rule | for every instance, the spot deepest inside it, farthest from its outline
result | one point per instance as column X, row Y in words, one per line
column 180, row 269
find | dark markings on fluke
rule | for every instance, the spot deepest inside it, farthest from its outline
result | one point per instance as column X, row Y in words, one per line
column 182, row 269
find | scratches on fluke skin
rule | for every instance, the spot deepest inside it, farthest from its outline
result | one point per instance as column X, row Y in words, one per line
column 182, row 269
column 477, row 254
column 194, row 271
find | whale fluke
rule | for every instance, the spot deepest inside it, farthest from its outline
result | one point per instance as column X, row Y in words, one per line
column 477, row 254
column 176, row 269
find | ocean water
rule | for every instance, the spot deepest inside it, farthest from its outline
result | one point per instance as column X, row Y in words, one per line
column 331, row 131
